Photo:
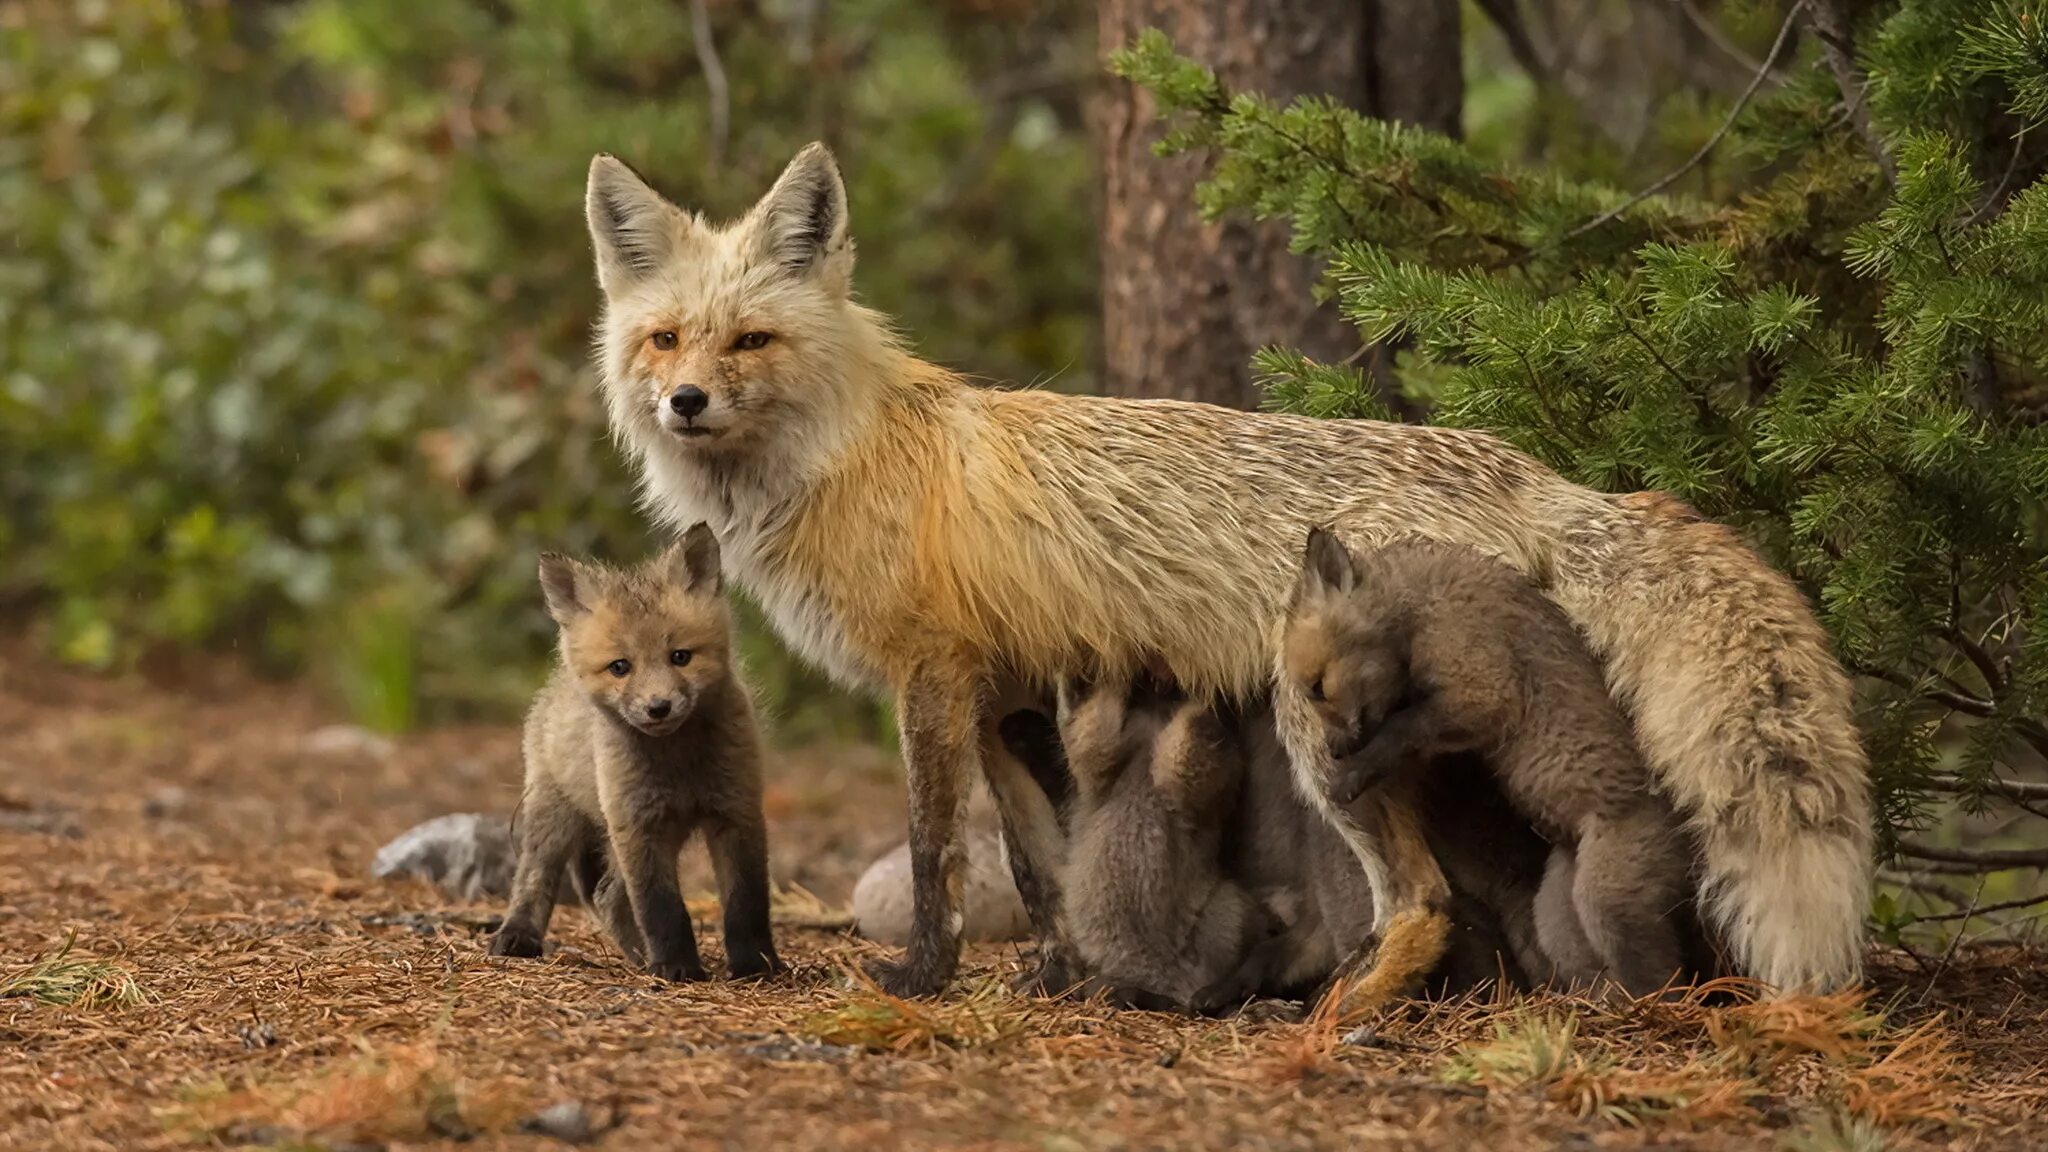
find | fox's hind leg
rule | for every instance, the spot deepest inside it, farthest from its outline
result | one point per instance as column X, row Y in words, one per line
column 1033, row 840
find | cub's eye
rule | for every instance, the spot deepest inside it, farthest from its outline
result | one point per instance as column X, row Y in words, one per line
column 664, row 340
column 679, row 657
column 750, row 341
column 1315, row 690
column 619, row 667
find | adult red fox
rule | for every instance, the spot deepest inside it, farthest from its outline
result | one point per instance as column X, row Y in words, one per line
column 962, row 548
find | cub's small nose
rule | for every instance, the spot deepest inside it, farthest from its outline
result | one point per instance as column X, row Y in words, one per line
column 688, row 400
column 659, row 710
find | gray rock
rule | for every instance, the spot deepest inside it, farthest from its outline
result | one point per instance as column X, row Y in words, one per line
column 467, row 855
column 348, row 740
column 568, row 1121
column 994, row 911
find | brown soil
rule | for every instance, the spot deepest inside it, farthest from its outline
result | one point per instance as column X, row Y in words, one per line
column 281, row 996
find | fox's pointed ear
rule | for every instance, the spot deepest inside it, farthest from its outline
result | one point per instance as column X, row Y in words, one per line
column 634, row 228
column 1327, row 565
column 561, row 583
column 694, row 561
column 802, row 220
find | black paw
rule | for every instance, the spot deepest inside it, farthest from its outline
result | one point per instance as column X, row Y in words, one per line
column 906, row 979
column 1351, row 778
column 513, row 940
column 1054, row 976
column 757, row 965
column 678, row 971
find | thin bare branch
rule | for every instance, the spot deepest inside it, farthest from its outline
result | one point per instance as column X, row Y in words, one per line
column 2006, row 906
column 1979, row 859
column 1506, row 16
column 714, row 78
column 1835, row 28
column 1717, row 37
column 2011, row 789
column 1714, row 141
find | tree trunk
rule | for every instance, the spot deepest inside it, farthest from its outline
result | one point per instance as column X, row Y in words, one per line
column 1185, row 303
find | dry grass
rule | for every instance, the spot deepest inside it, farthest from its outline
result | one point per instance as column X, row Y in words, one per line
column 405, row 1093
column 80, row 982
column 292, row 1001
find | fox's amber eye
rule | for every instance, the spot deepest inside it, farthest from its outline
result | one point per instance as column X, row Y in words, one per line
column 664, row 340
column 679, row 657
column 750, row 341
column 1315, row 690
column 619, row 667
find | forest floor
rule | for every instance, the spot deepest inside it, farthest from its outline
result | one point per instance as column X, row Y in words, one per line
column 193, row 954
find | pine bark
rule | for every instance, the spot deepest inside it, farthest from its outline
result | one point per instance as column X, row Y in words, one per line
column 1185, row 302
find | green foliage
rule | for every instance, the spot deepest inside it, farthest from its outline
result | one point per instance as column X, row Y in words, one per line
column 1846, row 370
column 294, row 311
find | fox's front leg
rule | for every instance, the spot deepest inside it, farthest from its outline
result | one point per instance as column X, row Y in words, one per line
column 937, row 714
column 1413, row 735
column 645, row 846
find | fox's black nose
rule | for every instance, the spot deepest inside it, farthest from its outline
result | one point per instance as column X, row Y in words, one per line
column 659, row 710
column 688, row 400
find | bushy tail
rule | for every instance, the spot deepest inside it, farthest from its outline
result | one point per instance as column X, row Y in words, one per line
column 1789, row 908
column 1745, row 719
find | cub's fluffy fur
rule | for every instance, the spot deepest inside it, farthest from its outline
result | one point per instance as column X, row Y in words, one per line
column 1156, row 776
column 1420, row 650
column 642, row 736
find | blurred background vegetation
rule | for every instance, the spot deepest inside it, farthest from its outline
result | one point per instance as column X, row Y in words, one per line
column 295, row 297
column 295, row 294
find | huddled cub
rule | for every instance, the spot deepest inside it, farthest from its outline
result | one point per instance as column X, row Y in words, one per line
column 643, row 735
column 1419, row 651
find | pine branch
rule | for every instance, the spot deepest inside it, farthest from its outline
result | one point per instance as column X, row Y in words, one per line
column 1714, row 141
column 1832, row 24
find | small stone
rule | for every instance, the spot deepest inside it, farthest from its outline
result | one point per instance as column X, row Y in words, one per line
column 568, row 1121
column 257, row 1035
column 348, row 740
column 467, row 855
column 169, row 800
column 994, row 911
column 1363, row 1036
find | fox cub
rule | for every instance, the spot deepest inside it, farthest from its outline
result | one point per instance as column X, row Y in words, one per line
column 643, row 735
column 1419, row 650
column 1154, row 919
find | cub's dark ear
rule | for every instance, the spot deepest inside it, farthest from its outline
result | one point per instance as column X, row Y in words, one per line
column 1327, row 565
column 561, row 581
column 802, row 220
column 694, row 561
column 633, row 228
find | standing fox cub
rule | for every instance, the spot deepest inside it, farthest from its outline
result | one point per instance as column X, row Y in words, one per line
column 643, row 735
column 1418, row 651
column 964, row 548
